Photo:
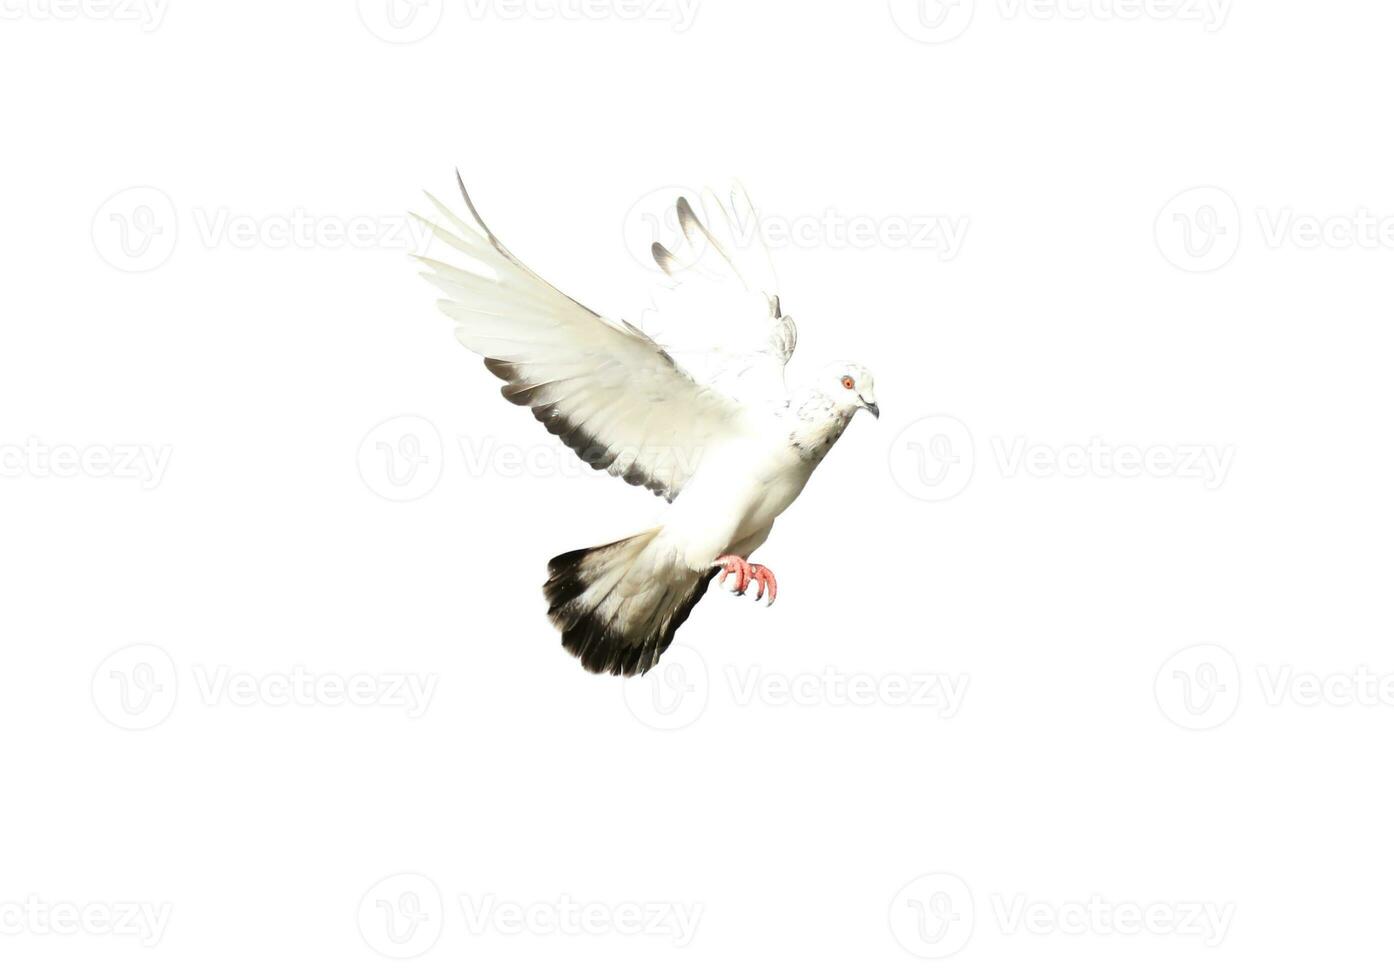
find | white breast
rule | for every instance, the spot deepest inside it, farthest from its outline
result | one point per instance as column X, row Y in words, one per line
column 738, row 490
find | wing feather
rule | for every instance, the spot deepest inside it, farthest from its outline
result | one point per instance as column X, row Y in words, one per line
column 602, row 386
column 721, row 316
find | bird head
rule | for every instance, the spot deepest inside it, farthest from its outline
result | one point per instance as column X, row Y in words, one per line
column 851, row 387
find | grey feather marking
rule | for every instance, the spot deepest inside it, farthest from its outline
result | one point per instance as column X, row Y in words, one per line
column 666, row 260
column 692, row 227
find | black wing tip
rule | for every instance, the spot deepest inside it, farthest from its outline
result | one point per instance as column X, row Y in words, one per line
column 501, row 369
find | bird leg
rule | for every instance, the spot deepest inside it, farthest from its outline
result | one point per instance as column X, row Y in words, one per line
column 746, row 573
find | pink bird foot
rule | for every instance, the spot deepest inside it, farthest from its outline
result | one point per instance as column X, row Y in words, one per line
column 746, row 573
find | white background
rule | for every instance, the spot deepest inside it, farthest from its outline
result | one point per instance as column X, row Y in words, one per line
column 1173, row 679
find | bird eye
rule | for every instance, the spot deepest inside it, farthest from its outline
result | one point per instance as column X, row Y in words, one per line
column 848, row 383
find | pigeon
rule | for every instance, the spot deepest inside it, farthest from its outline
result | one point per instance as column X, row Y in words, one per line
column 695, row 407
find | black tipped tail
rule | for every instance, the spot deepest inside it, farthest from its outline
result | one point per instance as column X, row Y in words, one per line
column 619, row 605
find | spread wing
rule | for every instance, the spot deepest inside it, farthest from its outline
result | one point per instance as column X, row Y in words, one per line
column 604, row 387
column 720, row 315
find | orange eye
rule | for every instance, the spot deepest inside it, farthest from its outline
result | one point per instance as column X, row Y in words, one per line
column 848, row 383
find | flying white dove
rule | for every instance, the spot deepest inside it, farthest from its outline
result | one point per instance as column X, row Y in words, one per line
column 696, row 410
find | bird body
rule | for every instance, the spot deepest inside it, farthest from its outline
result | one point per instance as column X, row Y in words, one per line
column 702, row 419
column 738, row 489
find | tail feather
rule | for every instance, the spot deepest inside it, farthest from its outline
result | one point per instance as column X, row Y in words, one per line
column 619, row 605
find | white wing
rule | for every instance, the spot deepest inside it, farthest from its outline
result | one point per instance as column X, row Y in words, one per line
column 720, row 316
column 604, row 387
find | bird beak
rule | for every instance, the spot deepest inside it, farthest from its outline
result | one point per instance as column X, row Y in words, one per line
column 872, row 407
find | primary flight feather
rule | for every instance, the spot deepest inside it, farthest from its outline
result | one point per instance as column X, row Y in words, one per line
column 695, row 408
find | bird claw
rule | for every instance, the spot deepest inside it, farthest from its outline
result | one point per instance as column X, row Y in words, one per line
column 764, row 578
column 745, row 573
column 737, row 566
